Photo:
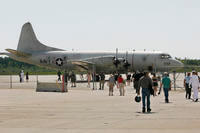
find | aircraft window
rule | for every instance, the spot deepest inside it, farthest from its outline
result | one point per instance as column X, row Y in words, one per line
column 165, row 56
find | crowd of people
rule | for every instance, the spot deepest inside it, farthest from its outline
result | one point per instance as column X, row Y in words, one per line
column 192, row 83
column 143, row 83
column 68, row 77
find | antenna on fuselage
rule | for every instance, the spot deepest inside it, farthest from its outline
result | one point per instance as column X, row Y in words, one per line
column 116, row 53
column 127, row 55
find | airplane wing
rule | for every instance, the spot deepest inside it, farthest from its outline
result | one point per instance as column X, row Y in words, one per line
column 88, row 62
column 191, row 66
column 82, row 64
column 100, row 59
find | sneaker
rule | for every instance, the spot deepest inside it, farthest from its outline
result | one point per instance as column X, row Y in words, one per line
column 196, row 100
column 149, row 110
column 143, row 110
column 166, row 101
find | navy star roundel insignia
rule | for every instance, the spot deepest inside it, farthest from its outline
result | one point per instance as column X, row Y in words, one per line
column 59, row 62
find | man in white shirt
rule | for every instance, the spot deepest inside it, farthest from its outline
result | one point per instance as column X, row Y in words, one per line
column 194, row 81
column 22, row 76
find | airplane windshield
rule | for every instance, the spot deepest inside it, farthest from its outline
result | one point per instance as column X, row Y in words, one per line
column 165, row 56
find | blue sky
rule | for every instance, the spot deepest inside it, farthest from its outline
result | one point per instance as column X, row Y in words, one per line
column 171, row 26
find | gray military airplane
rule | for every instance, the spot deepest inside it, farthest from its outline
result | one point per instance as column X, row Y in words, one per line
column 31, row 51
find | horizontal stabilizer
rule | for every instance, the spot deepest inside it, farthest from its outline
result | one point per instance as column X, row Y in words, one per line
column 3, row 53
column 17, row 53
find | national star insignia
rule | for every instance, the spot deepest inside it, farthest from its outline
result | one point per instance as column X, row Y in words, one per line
column 59, row 62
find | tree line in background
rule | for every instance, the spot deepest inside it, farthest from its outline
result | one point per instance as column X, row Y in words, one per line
column 10, row 66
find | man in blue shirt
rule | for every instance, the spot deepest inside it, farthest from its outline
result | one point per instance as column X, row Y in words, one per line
column 166, row 84
column 187, row 86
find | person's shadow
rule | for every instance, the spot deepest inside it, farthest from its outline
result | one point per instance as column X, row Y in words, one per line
column 192, row 100
column 146, row 112
column 166, row 103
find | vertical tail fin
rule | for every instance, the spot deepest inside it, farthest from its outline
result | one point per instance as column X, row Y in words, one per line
column 28, row 42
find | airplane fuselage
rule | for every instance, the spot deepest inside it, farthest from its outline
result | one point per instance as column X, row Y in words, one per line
column 156, row 61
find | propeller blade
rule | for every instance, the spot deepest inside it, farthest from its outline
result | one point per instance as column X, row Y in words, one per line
column 116, row 54
column 126, row 55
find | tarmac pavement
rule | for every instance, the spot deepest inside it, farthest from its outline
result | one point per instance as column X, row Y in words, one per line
column 83, row 110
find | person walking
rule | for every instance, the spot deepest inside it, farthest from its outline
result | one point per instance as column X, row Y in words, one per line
column 136, row 77
column 128, row 79
column 145, row 82
column 73, row 79
column 27, row 76
column 22, row 76
column 102, row 81
column 194, row 81
column 89, row 78
column 121, row 81
column 111, row 84
column 116, row 78
column 59, row 74
column 187, row 86
column 155, row 84
column 166, row 84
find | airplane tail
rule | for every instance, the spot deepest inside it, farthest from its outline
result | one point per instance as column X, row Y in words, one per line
column 28, row 43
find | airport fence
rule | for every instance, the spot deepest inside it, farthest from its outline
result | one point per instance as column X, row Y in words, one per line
column 13, row 81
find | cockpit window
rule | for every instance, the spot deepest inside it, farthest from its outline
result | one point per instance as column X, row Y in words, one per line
column 165, row 56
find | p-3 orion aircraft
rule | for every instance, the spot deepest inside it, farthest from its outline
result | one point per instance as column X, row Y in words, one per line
column 31, row 50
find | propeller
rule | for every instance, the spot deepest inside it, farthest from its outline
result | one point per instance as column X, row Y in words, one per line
column 126, row 64
column 116, row 61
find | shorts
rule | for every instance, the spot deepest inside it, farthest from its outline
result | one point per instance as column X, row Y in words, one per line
column 155, row 84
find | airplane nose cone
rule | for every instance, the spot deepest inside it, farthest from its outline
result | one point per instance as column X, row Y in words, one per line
column 176, row 63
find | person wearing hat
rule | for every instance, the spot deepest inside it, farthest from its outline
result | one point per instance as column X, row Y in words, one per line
column 145, row 82
column 111, row 84
column 136, row 77
column 194, row 82
column 166, row 84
